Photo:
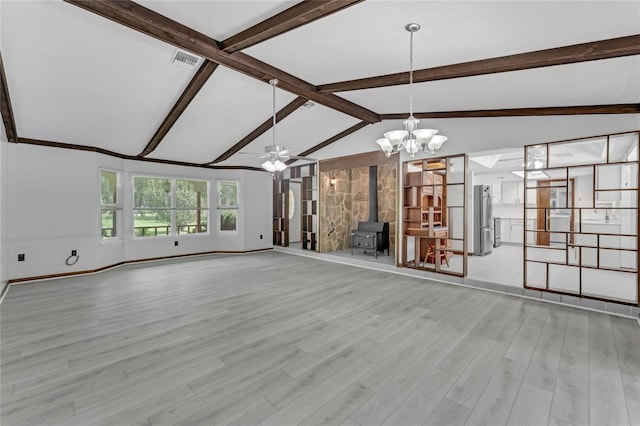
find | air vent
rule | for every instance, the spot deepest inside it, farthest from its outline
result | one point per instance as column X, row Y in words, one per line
column 185, row 59
column 308, row 105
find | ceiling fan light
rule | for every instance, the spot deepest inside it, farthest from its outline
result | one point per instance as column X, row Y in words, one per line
column 269, row 166
column 412, row 147
column 436, row 143
column 279, row 166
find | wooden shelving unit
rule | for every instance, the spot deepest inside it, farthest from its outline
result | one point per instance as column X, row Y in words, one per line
column 306, row 175
column 424, row 208
column 309, row 210
column 280, row 212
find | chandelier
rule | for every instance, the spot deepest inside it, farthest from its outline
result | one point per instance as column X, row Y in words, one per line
column 274, row 154
column 411, row 138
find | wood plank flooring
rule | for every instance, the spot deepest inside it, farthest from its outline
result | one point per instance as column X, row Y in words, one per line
column 276, row 339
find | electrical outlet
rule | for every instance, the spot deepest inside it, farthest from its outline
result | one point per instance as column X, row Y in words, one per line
column 175, row 243
column 74, row 252
column 21, row 257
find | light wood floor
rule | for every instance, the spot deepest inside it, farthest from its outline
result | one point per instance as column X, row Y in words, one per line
column 277, row 339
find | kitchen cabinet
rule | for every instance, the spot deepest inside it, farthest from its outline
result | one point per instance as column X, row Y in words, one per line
column 516, row 230
column 496, row 193
column 558, row 223
column 608, row 258
column 531, row 236
column 512, row 230
column 512, row 192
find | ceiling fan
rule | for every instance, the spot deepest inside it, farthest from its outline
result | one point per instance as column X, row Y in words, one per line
column 280, row 153
column 276, row 156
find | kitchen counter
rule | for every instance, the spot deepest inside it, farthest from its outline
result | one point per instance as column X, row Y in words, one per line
column 599, row 222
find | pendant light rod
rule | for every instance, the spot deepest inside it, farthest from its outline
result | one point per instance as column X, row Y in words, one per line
column 412, row 28
column 273, row 82
column 274, row 153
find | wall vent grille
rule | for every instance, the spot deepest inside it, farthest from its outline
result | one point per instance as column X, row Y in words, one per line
column 185, row 59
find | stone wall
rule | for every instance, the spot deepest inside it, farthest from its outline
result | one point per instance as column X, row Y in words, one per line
column 347, row 203
column 335, row 215
column 359, row 197
column 388, row 199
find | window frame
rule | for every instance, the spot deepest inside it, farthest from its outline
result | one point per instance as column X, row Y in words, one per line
column 227, row 207
column 115, row 208
column 203, row 209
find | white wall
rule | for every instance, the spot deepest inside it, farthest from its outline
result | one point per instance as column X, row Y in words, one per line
column 53, row 208
column 295, row 222
column 258, row 212
column 4, row 226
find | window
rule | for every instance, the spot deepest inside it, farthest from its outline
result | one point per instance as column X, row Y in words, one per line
column 191, row 206
column 109, row 204
column 164, row 206
column 228, row 205
column 151, row 206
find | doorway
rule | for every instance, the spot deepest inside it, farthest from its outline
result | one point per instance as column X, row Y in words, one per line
column 501, row 174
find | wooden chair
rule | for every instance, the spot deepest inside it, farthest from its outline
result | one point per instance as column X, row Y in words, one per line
column 430, row 256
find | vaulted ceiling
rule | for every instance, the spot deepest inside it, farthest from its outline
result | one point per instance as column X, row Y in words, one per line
column 99, row 74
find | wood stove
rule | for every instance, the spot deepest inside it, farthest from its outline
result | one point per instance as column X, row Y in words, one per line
column 371, row 236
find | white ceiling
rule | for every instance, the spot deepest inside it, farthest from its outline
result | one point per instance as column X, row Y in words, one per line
column 369, row 39
column 77, row 78
column 587, row 83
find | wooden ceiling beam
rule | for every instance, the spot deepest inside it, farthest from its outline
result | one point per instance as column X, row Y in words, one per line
column 53, row 144
column 197, row 82
column 153, row 24
column 296, row 16
column 268, row 124
column 5, row 106
column 523, row 112
column 591, row 51
column 331, row 140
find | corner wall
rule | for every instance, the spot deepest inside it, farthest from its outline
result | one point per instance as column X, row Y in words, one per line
column 4, row 225
column 53, row 206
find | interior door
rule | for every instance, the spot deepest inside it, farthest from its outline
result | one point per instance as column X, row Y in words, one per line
column 546, row 201
column 543, row 202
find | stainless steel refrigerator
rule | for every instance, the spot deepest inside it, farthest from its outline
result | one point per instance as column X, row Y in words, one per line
column 482, row 221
